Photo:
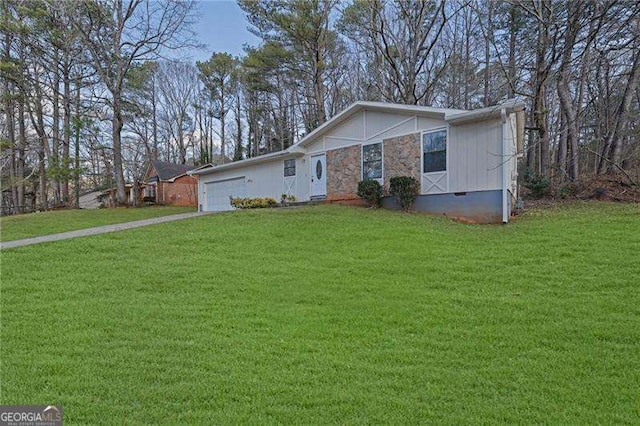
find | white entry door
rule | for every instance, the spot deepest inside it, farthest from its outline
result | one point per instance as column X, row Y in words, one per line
column 218, row 193
column 319, row 175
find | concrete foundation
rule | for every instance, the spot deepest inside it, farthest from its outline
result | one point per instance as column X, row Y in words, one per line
column 477, row 207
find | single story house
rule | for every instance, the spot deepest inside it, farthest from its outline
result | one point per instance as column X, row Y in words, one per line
column 465, row 161
column 168, row 183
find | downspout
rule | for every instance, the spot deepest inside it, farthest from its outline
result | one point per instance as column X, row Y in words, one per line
column 505, row 168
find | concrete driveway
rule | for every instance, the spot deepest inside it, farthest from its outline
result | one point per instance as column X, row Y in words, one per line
column 97, row 230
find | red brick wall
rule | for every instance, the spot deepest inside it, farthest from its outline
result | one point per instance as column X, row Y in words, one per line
column 182, row 192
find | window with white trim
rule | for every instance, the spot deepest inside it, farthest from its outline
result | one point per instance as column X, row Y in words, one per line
column 434, row 151
column 290, row 167
column 372, row 161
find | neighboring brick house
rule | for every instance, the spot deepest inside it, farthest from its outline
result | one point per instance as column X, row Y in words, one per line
column 169, row 184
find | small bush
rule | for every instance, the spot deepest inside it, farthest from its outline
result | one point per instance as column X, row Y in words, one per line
column 371, row 191
column 600, row 193
column 567, row 190
column 253, row 203
column 286, row 199
column 536, row 183
column 404, row 189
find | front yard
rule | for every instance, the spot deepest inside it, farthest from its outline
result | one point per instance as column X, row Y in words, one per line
column 330, row 314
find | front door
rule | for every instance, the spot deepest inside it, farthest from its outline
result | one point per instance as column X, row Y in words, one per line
column 319, row 175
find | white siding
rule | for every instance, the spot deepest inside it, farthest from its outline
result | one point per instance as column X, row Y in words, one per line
column 262, row 180
column 333, row 143
column 426, row 123
column 402, row 127
column 383, row 122
column 351, row 128
column 371, row 126
column 317, row 145
column 475, row 156
column 303, row 181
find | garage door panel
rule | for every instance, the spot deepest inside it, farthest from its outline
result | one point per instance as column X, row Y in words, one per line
column 218, row 193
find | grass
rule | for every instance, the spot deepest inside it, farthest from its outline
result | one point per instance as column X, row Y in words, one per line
column 331, row 314
column 51, row 222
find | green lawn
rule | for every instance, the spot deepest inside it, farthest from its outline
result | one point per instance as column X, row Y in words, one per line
column 331, row 314
column 43, row 223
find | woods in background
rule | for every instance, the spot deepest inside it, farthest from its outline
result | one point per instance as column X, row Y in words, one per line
column 88, row 96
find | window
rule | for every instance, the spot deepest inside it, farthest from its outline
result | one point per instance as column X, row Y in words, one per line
column 150, row 191
column 434, row 151
column 290, row 167
column 372, row 161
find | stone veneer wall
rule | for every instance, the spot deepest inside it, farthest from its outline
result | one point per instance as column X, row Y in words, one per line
column 401, row 158
column 344, row 171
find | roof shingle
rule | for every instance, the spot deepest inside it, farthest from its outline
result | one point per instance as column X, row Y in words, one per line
column 168, row 171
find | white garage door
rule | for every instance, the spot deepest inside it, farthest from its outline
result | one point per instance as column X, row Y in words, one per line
column 218, row 193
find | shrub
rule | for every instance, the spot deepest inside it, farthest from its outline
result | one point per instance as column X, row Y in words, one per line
column 600, row 193
column 253, row 203
column 567, row 190
column 371, row 191
column 285, row 199
column 404, row 189
column 536, row 183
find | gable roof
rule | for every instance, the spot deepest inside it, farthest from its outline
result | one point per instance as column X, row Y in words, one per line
column 374, row 106
column 167, row 171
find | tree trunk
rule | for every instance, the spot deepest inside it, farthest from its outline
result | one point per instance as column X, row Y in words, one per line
column 513, row 27
column 540, row 112
column 223, row 114
column 561, row 159
column 571, row 125
column 9, row 111
column 66, row 80
column 155, row 116
column 22, row 138
column 121, row 196
column 76, row 171
column 487, row 53
column 621, row 115
column 55, row 150
column 319, row 89
column 566, row 103
column 20, row 163
column 540, row 122
column 237, row 155
column 42, row 136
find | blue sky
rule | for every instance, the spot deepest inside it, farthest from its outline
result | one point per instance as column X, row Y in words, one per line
column 223, row 28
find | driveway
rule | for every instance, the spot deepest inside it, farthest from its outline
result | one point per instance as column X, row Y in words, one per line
column 97, row 230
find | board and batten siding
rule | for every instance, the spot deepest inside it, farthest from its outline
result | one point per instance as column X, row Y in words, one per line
column 475, row 149
column 369, row 127
column 475, row 156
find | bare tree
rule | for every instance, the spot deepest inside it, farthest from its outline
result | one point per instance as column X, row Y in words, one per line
column 120, row 33
column 178, row 85
column 404, row 37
